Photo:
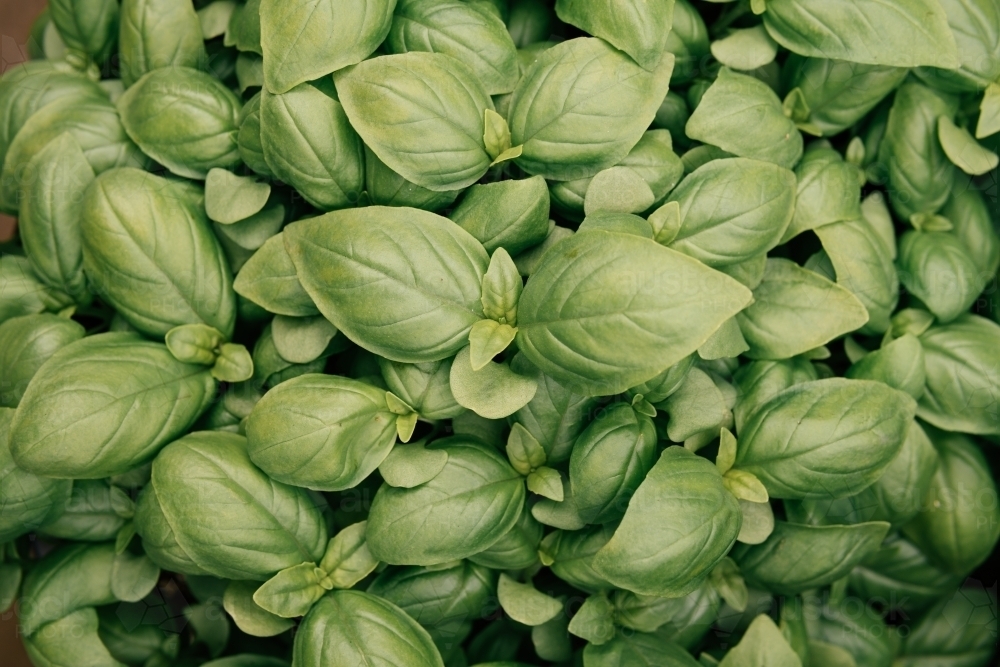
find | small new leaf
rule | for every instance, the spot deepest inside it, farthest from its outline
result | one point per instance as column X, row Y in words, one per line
column 502, row 286
column 745, row 486
column 930, row 222
column 727, row 451
column 727, row 580
column 758, row 7
column 796, row 107
column 546, row 482
column 487, row 339
column 525, row 453
column 642, row 406
column 666, row 223
column 248, row 615
column 347, row 559
column 497, row 136
column 292, row 592
column 234, row 364
column 195, row 343
column 963, row 150
column 989, row 112
column 524, row 604
column 493, row 392
column 594, row 621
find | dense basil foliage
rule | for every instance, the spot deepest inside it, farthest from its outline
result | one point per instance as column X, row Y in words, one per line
column 501, row 333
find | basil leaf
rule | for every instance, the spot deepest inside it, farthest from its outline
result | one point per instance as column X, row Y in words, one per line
column 828, row 192
column 103, row 405
column 797, row 558
column 466, row 508
column 834, row 623
column 427, row 270
column 900, row 364
column 960, row 394
column 71, row 640
column 461, row 30
column 387, row 188
column 425, row 387
column 571, row 556
column 937, row 637
column 422, row 114
column 954, row 530
column 244, row 28
column 249, row 137
column 511, row 214
column 735, row 102
column 807, row 442
column 796, row 310
column 203, row 486
column 269, row 280
column 95, row 512
column 592, row 120
column 967, row 210
column 351, row 627
column 760, row 381
column 908, row 33
column 28, row 501
column 638, row 28
column 662, row 325
column 733, row 209
column 321, row 432
column 25, row 344
column 159, row 33
column 679, row 524
column 963, row 150
column 974, row 25
column 88, row 27
column 688, row 41
column 839, row 93
column 936, row 268
column 319, row 37
column 610, row 459
column 762, row 645
column 517, row 549
column 309, row 144
column 184, row 119
column 150, row 252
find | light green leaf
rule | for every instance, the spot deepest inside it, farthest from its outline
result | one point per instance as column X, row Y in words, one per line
column 70, row 640
column 513, row 214
column 269, row 280
column 347, row 559
column 758, row 522
column 727, row 451
column 745, row 486
column 133, row 577
column 422, row 114
column 230, row 198
column 546, row 482
column 697, row 406
column 88, row 27
column 524, row 603
column 163, row 33
column 963, row 150
column 26, row 343
column 728, row 581
column 900, row 364
column 493, row 392
column 619, row 190
column 989, row 112
column 487, row 339
column 315, row 38
column 903, row 34
column 594, row 620
column 524, row 452
column 301, row 340
column 412, row 465
column 502, row 286
column 828, row 191
column 762, row 645
column 726, row 343
column 195, row 343
column 745, row 49
column 937, row 268
column 214, row 18
column 250, row 617
column 292, row 592
column 497, row 136
column 234, row 364
column 423, row 386
column 735, row 102
column 796, row 310
column 666, row 222
column 637, row 27
column 509, row 154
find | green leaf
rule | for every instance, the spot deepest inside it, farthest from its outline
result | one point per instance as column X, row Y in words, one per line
column 70, row 640
column 301, row 340
column 214, row 18
column 269, row 280
column 412, row 465
column 466, row 508
column 989, row 112
column 666, row 222
column 639, row 648
column 727, row 451
column 969, row 212
column 745, row 486
column 762, row 645
column 963, row 150
column 571, row 552
column 318, row 37
column 425, row 387
column 619, row 190
column 210, row 626
column 636, row 27
column 962, row 392
column 88, row 27
column 726, row 343
column 234, row 364
column 462, row 30
column 808, row 441
column 796, row 107
column 354, row 628
column 957, row 536
column 745, row 49
column 321, row 431
column 758, row 522
column 732, row 210
column 735, row 102
column 155, row 232
column 184, row 119
column 493, row 392
column 525, row 604
column 347, row 559
column 728, row 581
column 203, row 486
column 594, row 620
column 387, row 188
column 592, row 120
column 827, row 191
column 560, row 514
column 502, row 286
column 133, row 577
column 551, row 639
column 697, row 406
column 524, row 452
column 497, row 135
column 513, row 214
column 517, row 549
column 679, row 524
column 610, row 459
column 424, row 271
column 797, row 558
column 487, row 339
column 195, row 343
column 25, row 344
column 230, row 198
column 160, row 33
column 661, row 324
column 309, row 143
column 49, row 220
column 796, row 310
column 509, row 154
column 546, row 482
column 105, row 404
column 900, row 364
column 936, row 268
column 95, row 512
column 902, row 34
column 419, row 109
column 250, row 617
column 66, row 580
